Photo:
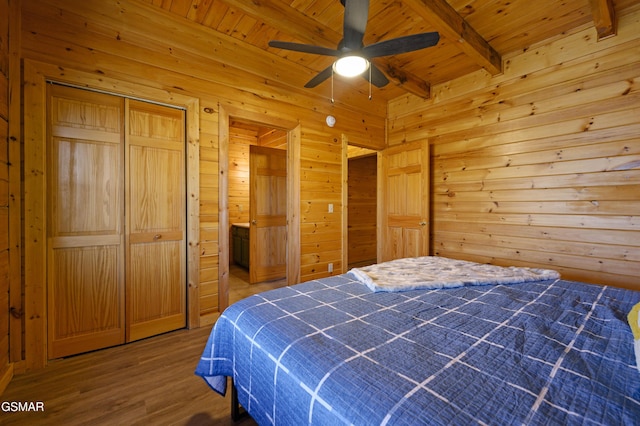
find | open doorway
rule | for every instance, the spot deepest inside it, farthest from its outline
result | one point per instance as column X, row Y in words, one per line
column 257, row 208
column 362, row 207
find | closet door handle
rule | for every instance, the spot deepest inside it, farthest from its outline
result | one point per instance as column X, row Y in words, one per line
column 157, row 237
column 253, row 222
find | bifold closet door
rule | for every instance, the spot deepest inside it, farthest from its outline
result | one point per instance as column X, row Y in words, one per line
column 116, row 254
column 85, row 232
column 156, row 224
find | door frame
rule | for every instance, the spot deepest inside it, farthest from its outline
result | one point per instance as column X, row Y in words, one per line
column 35, row 78
column 225, row 115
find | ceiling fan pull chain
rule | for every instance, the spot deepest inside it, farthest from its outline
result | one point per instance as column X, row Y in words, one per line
column 370, row 96
column 332, row 100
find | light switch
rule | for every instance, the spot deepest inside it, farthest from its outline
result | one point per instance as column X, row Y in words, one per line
column 330, row 208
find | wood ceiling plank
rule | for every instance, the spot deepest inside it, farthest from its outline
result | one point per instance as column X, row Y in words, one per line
column 450, row 24
column 472, row 31
column 245, row 25
column 261, row 34
column 229, row 21
column 518, row 25
column 291, row 21
column 199, row 10
column 180, row 8
column 212, row 56
column 215, row 14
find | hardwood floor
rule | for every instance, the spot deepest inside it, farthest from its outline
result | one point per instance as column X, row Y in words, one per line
column 239, row 286
column 148, row 382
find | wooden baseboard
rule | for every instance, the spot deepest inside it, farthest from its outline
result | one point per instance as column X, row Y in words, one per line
column 5, row 377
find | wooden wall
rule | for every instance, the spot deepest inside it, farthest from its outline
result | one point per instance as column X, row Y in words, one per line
column 240, row 138
column 209, row 215
column 127, row 41
column 321, row 182
column 539, row 166
column 362, row 205
column 4, row 196
column 322, row 179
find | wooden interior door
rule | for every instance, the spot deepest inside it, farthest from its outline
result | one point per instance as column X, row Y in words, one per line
column 85, row 236
column 156, row 224
column 109, row 279
column 268, row 214
column 405, row 205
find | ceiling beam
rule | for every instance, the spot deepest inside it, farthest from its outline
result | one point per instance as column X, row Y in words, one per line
column 450, row 24
column 283, row 17
column 604, row 18
column 405, row 80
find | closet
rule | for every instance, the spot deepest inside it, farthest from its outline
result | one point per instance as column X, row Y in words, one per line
column 116, row 221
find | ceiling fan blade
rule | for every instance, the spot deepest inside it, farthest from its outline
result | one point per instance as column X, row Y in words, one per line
column 378, row 79
column 322, row 76
column 356, row 14
column 305, row 48
column 401, row 45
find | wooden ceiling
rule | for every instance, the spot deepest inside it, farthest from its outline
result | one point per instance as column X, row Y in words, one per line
column 474, row 34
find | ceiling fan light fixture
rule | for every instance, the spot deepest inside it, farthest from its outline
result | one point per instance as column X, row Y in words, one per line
column 350, row 66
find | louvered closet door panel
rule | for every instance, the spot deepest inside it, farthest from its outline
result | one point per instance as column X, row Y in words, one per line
column 156, row 256
column 85, row 279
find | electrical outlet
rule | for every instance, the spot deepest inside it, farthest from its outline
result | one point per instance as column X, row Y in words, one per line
column 330, row 208
column 330, row 267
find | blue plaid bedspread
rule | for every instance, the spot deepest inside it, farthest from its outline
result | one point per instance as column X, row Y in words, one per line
column 330, row 352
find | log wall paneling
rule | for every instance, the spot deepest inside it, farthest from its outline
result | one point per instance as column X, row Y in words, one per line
column 240, row 138
column 320, row 186
column 6, row 368
column 128, row 48
column 539, row 166
column 209, row 187
column 227, row 117
column 550, row 98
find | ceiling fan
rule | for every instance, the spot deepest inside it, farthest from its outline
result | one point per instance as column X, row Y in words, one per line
column 351, row 51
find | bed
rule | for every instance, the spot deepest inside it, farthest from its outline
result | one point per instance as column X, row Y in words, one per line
column 475, row 349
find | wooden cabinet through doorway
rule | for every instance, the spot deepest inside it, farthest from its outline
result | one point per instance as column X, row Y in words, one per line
column 116, row 254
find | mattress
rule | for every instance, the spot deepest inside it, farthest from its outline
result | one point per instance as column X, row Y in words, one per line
column 332, row 351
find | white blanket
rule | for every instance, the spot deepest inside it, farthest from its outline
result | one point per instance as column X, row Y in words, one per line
column 433, row 272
